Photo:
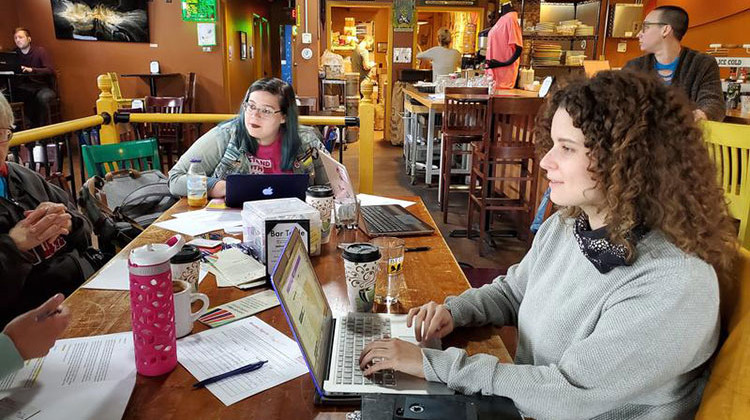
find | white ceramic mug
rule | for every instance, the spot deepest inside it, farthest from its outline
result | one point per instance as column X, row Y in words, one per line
column 184, row 317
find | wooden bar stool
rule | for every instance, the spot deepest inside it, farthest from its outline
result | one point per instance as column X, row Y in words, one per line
column 463, row 123
column 506, row 158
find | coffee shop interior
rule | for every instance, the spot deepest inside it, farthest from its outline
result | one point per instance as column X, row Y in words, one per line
column 415, row 174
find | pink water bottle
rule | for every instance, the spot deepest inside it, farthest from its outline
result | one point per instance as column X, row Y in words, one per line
column 152, row 306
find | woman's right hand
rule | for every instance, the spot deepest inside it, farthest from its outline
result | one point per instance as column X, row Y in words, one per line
column 430, row 321
column 219, row 190
column 34, row 332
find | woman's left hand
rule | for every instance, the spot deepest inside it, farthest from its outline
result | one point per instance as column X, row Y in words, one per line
column 393, row 354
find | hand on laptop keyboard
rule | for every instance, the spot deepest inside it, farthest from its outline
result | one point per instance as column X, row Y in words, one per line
column 393, row 354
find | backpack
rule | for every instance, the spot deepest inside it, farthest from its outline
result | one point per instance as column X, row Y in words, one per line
column 123, row 203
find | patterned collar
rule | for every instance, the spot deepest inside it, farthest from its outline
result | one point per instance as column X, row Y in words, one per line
column 597, row 248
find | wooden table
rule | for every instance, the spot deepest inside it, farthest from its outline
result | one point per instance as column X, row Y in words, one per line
column 430, row 275
column 736, row 116
column 150, row 78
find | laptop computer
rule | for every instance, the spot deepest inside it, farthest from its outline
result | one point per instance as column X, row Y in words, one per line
column 9, row 62
column 252, row 187
column 331, row 345
column 391, row 220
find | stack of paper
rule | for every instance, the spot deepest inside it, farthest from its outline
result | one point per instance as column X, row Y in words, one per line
column 232, row 267
column 197, row 222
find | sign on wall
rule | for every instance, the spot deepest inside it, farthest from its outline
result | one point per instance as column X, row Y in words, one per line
column 199, row 10
column 403, row 15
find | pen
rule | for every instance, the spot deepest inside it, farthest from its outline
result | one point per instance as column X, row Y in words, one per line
column 417, row 249
column 42, row 317
column 244, row 369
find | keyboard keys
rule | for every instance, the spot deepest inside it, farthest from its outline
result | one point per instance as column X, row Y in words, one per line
column 357, row 331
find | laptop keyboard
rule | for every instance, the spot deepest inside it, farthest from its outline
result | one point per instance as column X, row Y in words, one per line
column 356, row 331
column 379, row 220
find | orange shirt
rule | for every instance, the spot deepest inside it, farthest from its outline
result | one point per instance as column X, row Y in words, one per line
column 500, row 41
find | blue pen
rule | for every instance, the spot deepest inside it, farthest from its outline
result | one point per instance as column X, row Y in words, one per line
column 244, row 369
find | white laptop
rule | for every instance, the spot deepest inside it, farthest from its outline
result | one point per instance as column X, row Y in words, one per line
column 331, row 346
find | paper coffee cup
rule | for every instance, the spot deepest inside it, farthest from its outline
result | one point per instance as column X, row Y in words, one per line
column 361, row 269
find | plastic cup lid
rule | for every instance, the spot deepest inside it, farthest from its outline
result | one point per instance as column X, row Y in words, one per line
column 320, row 191
column 189, row 253
column 361, row 252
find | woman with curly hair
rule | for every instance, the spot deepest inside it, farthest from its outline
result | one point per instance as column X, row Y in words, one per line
column 617, row 301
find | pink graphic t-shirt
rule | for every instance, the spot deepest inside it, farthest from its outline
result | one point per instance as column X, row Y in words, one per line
column 267, row 160
column 506, row 33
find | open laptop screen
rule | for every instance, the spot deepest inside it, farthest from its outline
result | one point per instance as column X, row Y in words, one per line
column 304, row 304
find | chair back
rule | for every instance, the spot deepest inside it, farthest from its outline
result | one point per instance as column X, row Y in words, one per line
column 727, row 394
column 464, row 117
column 139, row 154
column 511, row 122
column 729, row 148
column 19, row 117
column 190, row 92
column 165, row 105
column 132, row 131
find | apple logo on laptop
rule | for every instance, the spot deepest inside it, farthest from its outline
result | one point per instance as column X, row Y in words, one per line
column 268, row 191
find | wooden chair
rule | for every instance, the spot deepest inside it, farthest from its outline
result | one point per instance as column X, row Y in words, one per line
column 132, row 131
column 19, row 116
column 505, row 158
column 168, row 135
column 139, row 154
column 728, row 147
column 727, row 394
column 463, row 123
column 307, row 105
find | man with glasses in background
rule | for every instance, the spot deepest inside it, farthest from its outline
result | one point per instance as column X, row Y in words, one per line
column 697, row 74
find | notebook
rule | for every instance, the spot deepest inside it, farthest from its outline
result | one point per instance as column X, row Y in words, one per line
column 331, row 345
column 9, row 63
column 252, row 187
column 391, row 220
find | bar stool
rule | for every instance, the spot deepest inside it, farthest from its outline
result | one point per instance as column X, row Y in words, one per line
column 463, row 123
column 506, row 156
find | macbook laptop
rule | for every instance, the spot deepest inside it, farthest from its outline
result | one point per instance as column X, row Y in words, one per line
column 246, row 187
column 9, row 62
column 391, row 220
column 331, row 345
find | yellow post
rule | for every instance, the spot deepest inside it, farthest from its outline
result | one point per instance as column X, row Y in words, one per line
column 107, row 104
column 366, row 138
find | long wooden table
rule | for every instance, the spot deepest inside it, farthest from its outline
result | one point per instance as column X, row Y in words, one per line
column 429, row 275
column 736, row 116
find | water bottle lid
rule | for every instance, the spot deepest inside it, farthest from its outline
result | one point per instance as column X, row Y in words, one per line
column 195, row 160
column 153, row 254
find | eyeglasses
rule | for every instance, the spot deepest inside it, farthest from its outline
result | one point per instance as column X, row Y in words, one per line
column 647, row 24
column 5, row 135
column 263, row 112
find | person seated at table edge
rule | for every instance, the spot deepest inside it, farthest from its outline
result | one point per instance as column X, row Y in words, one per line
column 617, row 301
column 43, row 238
column 694, row 72
column 32, row 334
column 264, row 138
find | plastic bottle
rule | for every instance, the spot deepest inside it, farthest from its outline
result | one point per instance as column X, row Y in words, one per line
column 196, row 185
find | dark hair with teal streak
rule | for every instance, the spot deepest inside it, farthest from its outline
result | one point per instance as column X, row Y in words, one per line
column 290, row 141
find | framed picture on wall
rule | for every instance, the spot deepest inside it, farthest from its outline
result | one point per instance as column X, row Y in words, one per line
column 382, row 47
column 126, row 21
column 243, row 45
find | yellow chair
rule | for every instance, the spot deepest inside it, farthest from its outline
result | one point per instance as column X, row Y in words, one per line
column 591, row 67
column 727, row 394
column 729, row 147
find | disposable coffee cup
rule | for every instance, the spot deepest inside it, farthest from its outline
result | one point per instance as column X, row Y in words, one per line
column 186, row 266
column 321, row 198
column 361, row 269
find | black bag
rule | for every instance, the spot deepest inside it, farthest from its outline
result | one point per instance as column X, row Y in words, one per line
column 123, row 203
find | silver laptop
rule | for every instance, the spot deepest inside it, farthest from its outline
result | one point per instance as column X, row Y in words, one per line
column 331, row 345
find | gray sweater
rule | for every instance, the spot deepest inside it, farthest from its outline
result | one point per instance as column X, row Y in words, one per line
column 698, row 76
column 222, row 154
column 444, row 60
column 632, row 343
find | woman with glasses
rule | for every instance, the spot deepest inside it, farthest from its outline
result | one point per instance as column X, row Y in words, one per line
column 43, row 238
column 264, row 138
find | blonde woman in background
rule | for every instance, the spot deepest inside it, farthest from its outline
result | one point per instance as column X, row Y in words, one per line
column 444, row 60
